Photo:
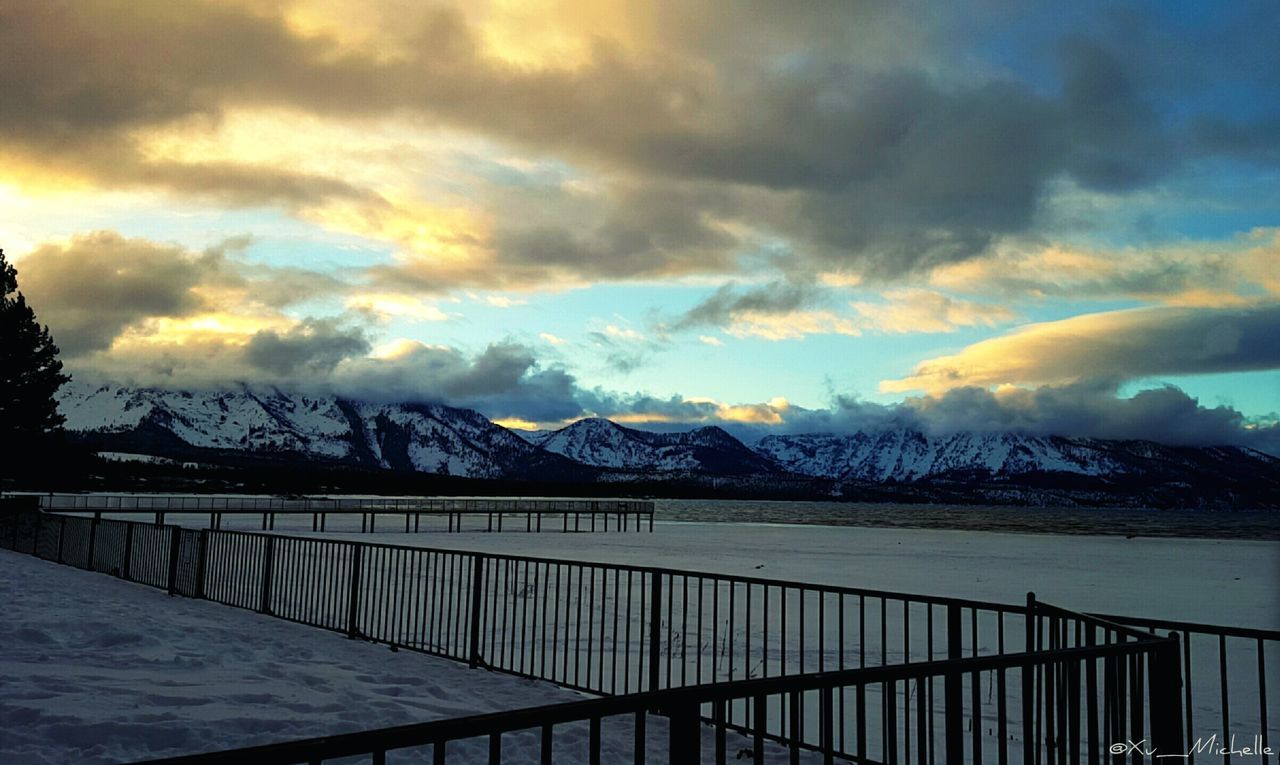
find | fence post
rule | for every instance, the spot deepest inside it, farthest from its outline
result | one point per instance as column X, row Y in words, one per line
column 175, row 540
column 35, row 536
column 684, row 732
column 1029, row 745
column 655, row 628
column 127, row 568
column 1164, row 682
column 202, row 559
column 62, row 532
column 268, row 557
column 93, row 539
column 353, row 596
column 952, row 684
column 477, row 593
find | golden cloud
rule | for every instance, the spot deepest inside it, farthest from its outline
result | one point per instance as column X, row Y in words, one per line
column 1113, row 345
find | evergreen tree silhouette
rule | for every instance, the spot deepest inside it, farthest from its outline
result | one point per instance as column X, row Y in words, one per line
column 30, row 374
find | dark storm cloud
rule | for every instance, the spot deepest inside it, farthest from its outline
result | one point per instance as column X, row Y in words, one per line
column 841, row 129
column 315, row 346
column 1085, row 410
column 504, row 380
column 721, row 306
column 1165, row 415
column 91, row 289
column 94, row 287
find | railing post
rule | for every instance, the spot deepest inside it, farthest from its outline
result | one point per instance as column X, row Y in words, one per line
column 353, row 596
column 93, row 538
column 477, row 594
column 952, row 690
column 202, row 560
column 684, row 730
column 126, row 571
column 268, row 559
column 1028, row 685
column 1164, row 683
column 655, row 628
column 174, row 541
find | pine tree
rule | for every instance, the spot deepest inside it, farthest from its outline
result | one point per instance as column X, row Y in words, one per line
column 30, row 372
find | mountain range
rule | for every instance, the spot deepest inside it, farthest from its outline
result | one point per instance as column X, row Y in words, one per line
column 269, row 425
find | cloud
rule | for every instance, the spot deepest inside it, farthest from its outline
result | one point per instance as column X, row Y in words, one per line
column 1233, row 271
column 917, row 310
column 95, row 289
column 1164, row 414
column 858, row 135
column 551, row 339
column 728, row 302
column 505, row 380
column 1114, row 345
column 383, row 306
column 316, row 346
column 710, row 340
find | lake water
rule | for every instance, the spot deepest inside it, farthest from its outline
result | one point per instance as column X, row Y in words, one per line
column 1260, row 525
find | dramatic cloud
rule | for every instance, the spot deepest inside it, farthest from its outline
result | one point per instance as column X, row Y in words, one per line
column 504, row 381
column 313, row 347
column 1115, row 345
column 1165, row 415
column 97, row 288
column 1207, row 274
column 846, row 130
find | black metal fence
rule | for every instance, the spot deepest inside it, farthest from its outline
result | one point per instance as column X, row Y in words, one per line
column 620, row 630
column 1080, row 697
column 437, row 513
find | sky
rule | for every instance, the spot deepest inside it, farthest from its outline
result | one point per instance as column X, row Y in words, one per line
column 777, row 217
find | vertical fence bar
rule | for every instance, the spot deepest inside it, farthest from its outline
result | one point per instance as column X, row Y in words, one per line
column 1165, row 692
column 353, row 593
column 175, row 540
column 477, row 593
column 952, row 682
column 268, row 560
column 655, row 627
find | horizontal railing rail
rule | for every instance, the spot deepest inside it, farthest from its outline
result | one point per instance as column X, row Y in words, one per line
column 686, row 708
column 480, row 514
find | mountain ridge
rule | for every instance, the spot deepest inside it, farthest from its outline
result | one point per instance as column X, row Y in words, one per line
column 267, row 424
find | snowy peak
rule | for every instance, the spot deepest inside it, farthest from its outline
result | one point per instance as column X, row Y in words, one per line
column 601, row 443
column 426, row 438
column 908, row 456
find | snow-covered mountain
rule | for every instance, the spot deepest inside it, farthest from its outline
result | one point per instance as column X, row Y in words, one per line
column 601, row 443
column 906, row 456
column 253, row 425
column 427, row 438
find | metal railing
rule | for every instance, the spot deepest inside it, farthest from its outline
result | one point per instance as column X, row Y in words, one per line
column 1079, row 716
column 618, row 630
column 482, row 513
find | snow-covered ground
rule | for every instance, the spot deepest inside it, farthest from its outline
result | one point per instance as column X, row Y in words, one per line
column 148, row 641
column 97, row 670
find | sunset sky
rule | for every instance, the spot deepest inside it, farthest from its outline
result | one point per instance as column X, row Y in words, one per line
column 797, row 216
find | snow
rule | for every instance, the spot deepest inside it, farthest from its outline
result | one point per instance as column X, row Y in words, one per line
column 100, row 670
column 97, row 670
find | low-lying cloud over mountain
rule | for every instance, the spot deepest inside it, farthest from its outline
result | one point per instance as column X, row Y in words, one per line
column 248, row 425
